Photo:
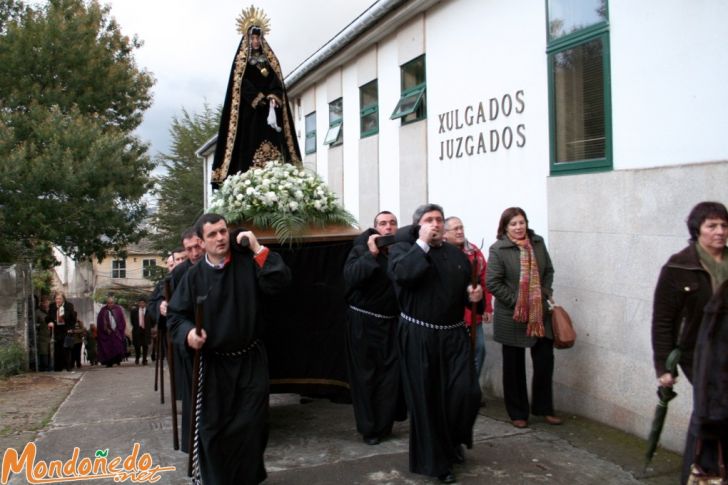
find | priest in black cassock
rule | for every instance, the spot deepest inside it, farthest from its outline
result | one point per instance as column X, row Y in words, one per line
column 234, row 378
column 256, row 124
column 371, row 325
column 193, row 252
column 441, row 389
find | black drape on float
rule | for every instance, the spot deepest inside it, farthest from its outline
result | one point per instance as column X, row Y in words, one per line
column 305, row 331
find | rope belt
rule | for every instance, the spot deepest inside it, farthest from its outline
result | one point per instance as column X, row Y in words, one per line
column 238, row 353
column 431, row 325
column 196, row 478
column 372, row 314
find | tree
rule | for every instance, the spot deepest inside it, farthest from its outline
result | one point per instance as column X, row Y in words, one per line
column 181, row 191
column 71, row 171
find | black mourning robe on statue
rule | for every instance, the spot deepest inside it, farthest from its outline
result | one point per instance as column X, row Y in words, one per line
column 245, row 138
column 438, row 372
column 372, row 355
column 234, row 407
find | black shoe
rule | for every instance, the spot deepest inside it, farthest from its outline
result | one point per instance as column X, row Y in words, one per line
column 448, row 477
column 372, row 441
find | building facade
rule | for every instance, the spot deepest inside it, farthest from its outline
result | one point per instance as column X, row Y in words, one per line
column 132, row 271
column 603, row 120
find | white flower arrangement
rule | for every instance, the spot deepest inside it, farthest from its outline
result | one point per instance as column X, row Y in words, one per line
column 280, row 196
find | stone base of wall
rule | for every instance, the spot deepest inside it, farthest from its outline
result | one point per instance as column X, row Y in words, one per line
column 609, row 235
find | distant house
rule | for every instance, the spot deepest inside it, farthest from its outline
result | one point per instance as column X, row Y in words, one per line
column 131, row 272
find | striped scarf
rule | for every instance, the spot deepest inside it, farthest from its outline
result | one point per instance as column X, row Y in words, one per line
column 529, row 307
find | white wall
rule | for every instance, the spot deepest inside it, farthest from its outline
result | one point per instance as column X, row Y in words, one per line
column 669, row 78
column 389, row 90
column 480, row 52
column 350, row 92
column 322, row 126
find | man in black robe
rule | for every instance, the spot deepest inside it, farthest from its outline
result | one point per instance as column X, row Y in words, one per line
column 371, row 347
column 194, row 251
column 256, row 124
column 234, row 379
column 431, row 279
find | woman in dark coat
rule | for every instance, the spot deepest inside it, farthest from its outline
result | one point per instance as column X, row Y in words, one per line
column 61, row 317
column 687, row 282
column 520, row 275
column 710, row 380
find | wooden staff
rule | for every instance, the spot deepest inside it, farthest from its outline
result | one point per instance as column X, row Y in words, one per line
column 155, row 344
column 161, row 367
column 53, row 347
column 195, row 379
column 170, row 365
column 473, row 305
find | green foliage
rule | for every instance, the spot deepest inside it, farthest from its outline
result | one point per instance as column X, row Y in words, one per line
column 71, row 172
column 280, row 196
column 157, row 273
column 70, row 53
column 125, row 298
column 180, row 192
column 12, row 359
column 42, row 282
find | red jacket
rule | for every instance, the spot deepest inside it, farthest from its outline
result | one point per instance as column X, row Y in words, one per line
column 472, row 252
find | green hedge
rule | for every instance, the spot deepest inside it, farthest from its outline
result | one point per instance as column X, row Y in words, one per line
column 12, row 358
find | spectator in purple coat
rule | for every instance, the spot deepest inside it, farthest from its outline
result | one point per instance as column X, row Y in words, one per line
column 111, row 342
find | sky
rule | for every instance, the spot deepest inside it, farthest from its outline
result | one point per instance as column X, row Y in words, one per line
column 189, row 47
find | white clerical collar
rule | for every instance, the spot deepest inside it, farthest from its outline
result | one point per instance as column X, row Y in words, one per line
column 220, row 265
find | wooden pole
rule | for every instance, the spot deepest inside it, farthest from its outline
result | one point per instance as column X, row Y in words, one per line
column 170, row 366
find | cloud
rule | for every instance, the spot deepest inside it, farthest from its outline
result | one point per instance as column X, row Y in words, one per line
column 189, row 47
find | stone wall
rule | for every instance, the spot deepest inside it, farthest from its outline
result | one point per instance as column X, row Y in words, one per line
column 609, row 235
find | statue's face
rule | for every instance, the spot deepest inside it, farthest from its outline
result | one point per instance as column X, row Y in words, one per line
column 255, row 41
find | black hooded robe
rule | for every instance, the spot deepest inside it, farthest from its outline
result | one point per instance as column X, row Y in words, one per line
column 438, row 373
column 232, row 427
column 372, row 355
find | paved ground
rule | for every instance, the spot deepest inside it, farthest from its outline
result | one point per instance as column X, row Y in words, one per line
column 316, row 442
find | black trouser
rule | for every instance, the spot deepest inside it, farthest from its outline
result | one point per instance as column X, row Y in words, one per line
column 515, row 390
column 61, row 354
column 43, row 363
column 708, row 458
column 140, row 348
column 76, row 355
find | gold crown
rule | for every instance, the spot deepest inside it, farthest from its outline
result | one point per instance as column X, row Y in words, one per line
column 253, row 17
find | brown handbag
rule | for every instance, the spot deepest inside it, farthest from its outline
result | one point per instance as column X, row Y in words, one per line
column 564, row 334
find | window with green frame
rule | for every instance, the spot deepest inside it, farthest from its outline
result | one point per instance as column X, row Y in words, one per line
column 310, row 133
column 579, row 86
column 335, row 135
column 369, row 113
column 412, row 105
column 118, row 268
column 147, row 265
